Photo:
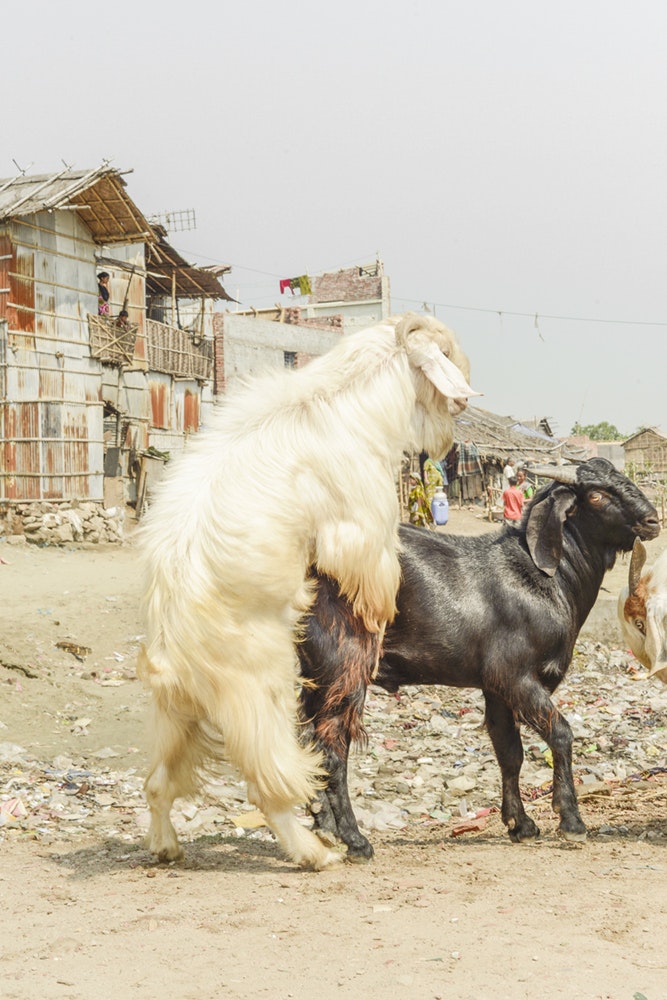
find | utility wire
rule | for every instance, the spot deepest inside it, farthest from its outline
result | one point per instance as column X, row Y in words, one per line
column 448, row 305
column 534, row 315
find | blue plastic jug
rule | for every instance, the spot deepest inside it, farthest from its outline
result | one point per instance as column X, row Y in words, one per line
column 440, row 506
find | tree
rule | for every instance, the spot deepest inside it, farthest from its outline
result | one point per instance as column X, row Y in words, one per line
column 603, row 431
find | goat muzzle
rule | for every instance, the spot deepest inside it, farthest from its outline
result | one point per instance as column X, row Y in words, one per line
column 648, row 528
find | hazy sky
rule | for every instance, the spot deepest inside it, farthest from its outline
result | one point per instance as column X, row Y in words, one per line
column 507, row 160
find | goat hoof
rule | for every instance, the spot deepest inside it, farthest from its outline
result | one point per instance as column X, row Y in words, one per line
column 573, row 836
column 524, row 838
column 165, row 853
column 525, row 833
column 360, row 855
column 169, row 854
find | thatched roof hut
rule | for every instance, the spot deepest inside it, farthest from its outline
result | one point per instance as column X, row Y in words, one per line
column 482, row 444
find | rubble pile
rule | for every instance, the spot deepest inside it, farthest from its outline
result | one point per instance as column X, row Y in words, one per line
column 45, row 523
column 428, row 761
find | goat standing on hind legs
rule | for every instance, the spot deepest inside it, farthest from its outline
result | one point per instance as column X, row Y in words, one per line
column 228, row 559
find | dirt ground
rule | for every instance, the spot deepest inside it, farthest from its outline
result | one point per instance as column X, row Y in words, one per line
column 92, row 915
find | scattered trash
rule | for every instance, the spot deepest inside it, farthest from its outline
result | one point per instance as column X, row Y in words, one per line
column 80, row 652
column 414, row 772
column 469, row 826
column 250, row 821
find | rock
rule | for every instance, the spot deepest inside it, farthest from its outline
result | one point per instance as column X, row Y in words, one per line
column 437, row 724
column 461, row 785
column 63, row 533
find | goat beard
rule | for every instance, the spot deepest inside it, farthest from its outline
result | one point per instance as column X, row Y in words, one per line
column 433, row 426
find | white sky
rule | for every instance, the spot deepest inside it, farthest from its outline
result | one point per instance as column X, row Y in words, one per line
column 505, row 159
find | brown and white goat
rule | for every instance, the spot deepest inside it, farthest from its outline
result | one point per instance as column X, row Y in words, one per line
column 297, row 469
column 642, row 611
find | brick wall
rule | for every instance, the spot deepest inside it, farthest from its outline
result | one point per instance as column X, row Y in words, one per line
column 351, row 284
column 219, row 380
column 294, row 316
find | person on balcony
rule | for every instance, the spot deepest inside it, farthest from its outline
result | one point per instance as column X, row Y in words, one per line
column 103, row 293
column 123, row 320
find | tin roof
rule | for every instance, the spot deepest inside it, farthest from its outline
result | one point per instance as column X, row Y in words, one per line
column 165, row 266
column 98, row 196
column 497, row 437
column 100, row 199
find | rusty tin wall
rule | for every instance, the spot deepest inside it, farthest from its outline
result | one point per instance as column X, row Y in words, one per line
column 51, row 413
column 176, row 410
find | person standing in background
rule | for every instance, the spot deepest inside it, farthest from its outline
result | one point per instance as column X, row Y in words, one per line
column 524, row 484
column 512, row 503
column 508, row 473
column 103, row 293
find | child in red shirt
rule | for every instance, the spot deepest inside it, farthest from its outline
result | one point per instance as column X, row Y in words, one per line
column 512, row 503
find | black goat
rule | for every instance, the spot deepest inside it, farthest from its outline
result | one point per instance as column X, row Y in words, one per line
column 500, row 612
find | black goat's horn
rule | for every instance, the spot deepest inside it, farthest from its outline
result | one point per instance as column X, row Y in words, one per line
column 561, row 473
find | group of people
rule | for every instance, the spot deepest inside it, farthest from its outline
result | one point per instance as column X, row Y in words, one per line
column 517, row 491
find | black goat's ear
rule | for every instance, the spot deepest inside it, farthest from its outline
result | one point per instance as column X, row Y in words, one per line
column 544, row 531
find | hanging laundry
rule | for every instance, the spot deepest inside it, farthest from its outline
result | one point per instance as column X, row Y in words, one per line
column 469, row 463
column 300, row 284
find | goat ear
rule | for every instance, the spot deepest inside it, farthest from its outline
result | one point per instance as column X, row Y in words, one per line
column 636, row 565
column 544, row 530
column 425, row 354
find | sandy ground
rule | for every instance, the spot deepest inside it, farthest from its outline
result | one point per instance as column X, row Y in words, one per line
column 431, row 916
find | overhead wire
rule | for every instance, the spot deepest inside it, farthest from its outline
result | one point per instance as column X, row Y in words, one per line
column 535, row 316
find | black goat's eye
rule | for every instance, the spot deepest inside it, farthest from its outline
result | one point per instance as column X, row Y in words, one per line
column 595, row 498
column 640, row 625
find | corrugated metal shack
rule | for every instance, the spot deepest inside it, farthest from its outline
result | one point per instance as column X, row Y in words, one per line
column 82, row 398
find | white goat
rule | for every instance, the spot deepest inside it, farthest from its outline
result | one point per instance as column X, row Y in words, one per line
column 298, row 469
column 642, row 611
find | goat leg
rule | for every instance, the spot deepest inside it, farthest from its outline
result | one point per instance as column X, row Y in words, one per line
column 539, row 712
column 335, row 815
column 337, row 661
column 506, row 739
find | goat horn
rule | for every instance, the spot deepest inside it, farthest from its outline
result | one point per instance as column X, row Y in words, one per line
column 636, row 565
column 561, row 473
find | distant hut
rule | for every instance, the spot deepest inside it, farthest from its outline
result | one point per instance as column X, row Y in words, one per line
column 646, row 453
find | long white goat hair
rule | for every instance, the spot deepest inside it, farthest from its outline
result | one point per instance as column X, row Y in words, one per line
column 297, row 469
column 642, row 611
